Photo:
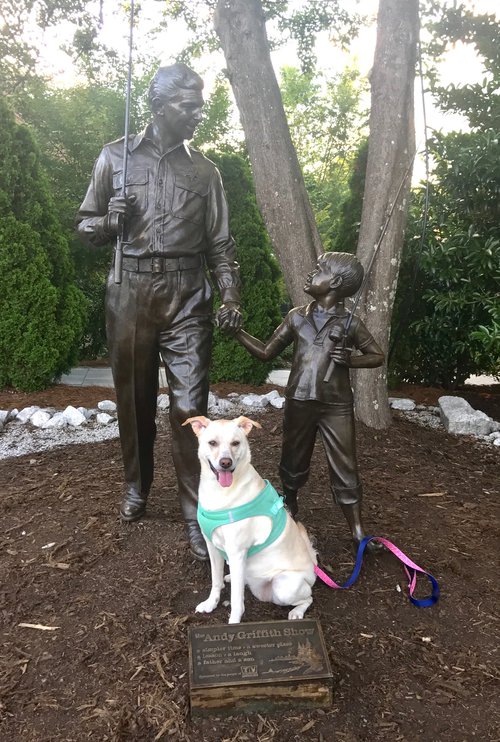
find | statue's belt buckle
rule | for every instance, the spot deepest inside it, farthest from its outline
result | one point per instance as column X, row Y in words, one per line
column 157, row 264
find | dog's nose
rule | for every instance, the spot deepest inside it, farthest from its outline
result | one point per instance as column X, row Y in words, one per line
column 225, row 463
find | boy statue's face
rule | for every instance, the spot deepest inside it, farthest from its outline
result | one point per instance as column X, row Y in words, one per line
column 320, row 281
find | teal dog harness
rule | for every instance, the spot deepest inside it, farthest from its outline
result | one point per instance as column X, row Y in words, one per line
column 267, row 502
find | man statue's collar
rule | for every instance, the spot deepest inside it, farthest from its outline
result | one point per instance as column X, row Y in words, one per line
column 146, row 134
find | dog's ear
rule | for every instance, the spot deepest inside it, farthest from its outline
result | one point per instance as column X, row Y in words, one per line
column 197, row 423
column 246, row 424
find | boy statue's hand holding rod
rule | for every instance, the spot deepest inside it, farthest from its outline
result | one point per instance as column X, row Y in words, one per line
column 318, row 395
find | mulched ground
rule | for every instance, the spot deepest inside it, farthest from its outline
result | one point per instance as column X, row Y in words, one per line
column 122, row 597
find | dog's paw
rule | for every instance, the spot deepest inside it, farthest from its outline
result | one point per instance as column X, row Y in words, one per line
column 296, row 613
column 227, row 578
column 235, row 618
column 207, row 606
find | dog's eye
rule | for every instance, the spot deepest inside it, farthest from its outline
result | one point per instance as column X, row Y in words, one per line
column 235, row 444
column 212, row 443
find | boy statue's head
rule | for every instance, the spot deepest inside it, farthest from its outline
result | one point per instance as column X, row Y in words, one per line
column 336, row 271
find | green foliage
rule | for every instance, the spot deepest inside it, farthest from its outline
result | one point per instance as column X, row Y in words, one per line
column 22, row 23
column 26, row 202
column 215, row 129
column 262, row 292
column 326, row 127
column 479, row 102
column 28, row 305
column 453, row 329
column 71, row 125
column 348, row 231
column 284, row 20
column 305, row 23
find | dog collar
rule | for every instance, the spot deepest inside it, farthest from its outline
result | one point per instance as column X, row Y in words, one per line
column 268, row 502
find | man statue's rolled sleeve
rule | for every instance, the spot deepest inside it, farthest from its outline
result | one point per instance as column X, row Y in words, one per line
column 221, row 253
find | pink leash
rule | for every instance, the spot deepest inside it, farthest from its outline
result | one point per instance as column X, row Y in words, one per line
column 409, row 566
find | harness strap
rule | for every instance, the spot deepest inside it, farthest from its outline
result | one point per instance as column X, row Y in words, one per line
column 268, row 502
column 409, row 566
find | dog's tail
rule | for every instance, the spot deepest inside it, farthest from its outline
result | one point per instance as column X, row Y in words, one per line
column 310, row 548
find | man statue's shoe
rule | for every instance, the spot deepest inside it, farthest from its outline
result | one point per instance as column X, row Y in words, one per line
column 197, row 543
column 133, row 507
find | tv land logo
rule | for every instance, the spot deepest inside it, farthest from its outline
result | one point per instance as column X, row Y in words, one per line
column 249, row 671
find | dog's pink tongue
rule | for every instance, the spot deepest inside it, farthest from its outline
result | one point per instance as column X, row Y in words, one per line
column 225, row 478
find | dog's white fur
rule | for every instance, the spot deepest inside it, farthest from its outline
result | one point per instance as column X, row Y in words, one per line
column 283, row 572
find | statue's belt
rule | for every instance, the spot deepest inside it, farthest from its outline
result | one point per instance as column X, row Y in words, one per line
column 159, row 264
column 268, row 502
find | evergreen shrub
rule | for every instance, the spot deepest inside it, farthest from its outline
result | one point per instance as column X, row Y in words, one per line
column 28, row 309
column 262, row 283
column 40, row 338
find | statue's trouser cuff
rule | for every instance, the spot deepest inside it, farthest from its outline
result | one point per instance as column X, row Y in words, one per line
column 302, row 421
column 148, row 316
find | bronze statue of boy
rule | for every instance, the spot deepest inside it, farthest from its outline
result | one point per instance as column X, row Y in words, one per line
column 314, row 404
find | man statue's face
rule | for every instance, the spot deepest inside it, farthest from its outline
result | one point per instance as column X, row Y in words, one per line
column 180, row 116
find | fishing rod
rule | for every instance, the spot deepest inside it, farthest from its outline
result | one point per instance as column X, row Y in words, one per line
column 335, row 335
column 119, row 239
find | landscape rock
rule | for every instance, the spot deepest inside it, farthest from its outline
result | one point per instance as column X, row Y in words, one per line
column 274, row 394
column 428, row 409
column 254, row 400
column 103, row 418
column 406, row 405
column 460, row 418
column 26, row 413
column 424, row 418
column 278, row 402
column 223, row 408
column 107, row 405
column 163, row 402
column 493, row 436
column 56, row 421
column 73, row 416
column 88, row 414
column 40, row 418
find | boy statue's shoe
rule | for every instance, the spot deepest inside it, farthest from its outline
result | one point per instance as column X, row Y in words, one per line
column 373, row 547
column 197, row 543
column 133, row 507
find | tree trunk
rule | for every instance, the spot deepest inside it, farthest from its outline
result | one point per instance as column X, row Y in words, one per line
column 390, row 155
column 279, row 185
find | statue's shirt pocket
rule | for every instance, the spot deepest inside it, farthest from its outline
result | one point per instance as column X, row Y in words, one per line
column 189, row 199
column 136, row 187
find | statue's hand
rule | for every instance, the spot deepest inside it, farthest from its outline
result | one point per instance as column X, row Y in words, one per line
column 229, row 317
column 341, row 356
column 119, row 209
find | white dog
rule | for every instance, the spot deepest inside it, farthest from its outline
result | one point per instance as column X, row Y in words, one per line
column 243, row 520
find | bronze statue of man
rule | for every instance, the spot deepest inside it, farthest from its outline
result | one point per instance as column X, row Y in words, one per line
column 174, row 221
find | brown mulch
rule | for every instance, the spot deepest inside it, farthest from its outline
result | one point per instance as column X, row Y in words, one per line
column 122, row 597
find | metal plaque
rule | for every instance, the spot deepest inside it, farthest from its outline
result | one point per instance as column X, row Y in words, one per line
column 256, row 653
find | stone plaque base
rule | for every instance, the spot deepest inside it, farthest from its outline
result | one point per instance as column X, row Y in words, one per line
column 265, row 666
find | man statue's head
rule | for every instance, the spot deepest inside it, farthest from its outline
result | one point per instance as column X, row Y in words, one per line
column 176, row 100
